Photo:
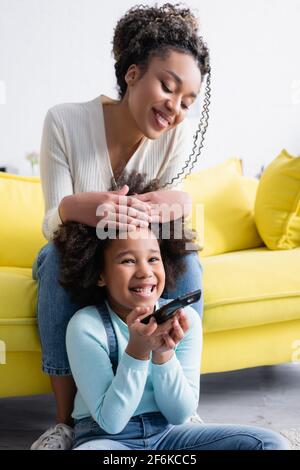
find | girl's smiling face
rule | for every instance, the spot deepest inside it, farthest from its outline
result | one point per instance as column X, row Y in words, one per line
column 134, row 273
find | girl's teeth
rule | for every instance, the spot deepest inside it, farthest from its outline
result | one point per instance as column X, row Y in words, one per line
column 142, row 290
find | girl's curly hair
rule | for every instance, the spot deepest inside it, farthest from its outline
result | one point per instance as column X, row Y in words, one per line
column 144, row 32
column 82, row 252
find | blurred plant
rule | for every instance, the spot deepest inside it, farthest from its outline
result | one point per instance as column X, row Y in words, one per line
column 262, row 169
column 33, row 159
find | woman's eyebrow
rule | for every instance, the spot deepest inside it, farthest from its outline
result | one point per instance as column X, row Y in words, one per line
column 178, row 80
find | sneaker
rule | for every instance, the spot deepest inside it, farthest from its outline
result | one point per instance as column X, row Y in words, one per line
column 196, row 419
column 59, row 437
column 293, row 436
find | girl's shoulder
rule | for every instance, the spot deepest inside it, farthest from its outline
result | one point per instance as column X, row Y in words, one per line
column 87, row 322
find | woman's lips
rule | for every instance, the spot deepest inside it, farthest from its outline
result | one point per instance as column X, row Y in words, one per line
column 160, row 122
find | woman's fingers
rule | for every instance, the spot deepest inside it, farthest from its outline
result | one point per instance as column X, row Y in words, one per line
column 134, row 202
column 145, row 197
column 109, row 218
column 116, row 225
column 125, row 202
column 136, row 212
column 123, row 218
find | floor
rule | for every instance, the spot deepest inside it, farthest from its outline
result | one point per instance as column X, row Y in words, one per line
column 264, row 396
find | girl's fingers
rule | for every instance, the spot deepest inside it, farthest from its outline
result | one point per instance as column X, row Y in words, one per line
column 151, row 327
column 165, row 327
column 183, row 320
column 138, row 314
column 169, row 342
column 177, row 333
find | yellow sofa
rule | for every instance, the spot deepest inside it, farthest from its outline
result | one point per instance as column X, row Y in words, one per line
column 252, row 295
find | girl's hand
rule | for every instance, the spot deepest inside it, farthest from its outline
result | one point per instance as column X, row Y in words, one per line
column 112, row 206
column 166, row 205
column 180, row 326
column 144, row 338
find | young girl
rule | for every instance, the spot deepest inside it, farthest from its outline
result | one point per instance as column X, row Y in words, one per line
column 160, row 65
column 137, row 383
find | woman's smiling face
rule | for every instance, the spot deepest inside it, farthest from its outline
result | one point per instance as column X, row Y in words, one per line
column 159, row 99
column 134, row 274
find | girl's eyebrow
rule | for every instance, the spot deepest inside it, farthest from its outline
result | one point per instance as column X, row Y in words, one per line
column 126, row 252
column 178, row 80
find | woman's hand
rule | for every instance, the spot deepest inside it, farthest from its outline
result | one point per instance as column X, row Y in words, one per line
column 180, row 326
column 110, row 208
column 166, row 205
column 145, row 338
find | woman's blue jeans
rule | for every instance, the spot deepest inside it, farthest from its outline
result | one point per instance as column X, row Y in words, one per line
column 151, row 431
column 54, row 307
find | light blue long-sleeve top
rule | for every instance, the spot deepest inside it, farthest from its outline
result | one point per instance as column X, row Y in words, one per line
column 139, row 386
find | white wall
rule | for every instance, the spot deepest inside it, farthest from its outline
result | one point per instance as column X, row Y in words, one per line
column 60, row 51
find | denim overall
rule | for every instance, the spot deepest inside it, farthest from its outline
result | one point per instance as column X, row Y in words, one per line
column 151, row 431
column 86, row 428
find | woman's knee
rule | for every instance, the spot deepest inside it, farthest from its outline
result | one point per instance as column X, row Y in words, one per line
column 194, row 279
column 48, row 261
column 189, row 281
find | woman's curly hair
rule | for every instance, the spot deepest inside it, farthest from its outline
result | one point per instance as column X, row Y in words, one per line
column 144, row 32
column 82, row 252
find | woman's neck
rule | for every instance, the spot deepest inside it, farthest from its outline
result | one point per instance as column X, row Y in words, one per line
column 121, row 129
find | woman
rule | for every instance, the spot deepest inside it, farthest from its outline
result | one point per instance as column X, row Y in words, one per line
column 160, row 65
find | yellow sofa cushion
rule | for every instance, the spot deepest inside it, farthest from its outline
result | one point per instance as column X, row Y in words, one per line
column 251, row 288
column 21, row 215
column 18, row 323
column 223, row 209
column 277, row 206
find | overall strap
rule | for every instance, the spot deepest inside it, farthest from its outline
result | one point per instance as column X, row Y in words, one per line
column 111, row 336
